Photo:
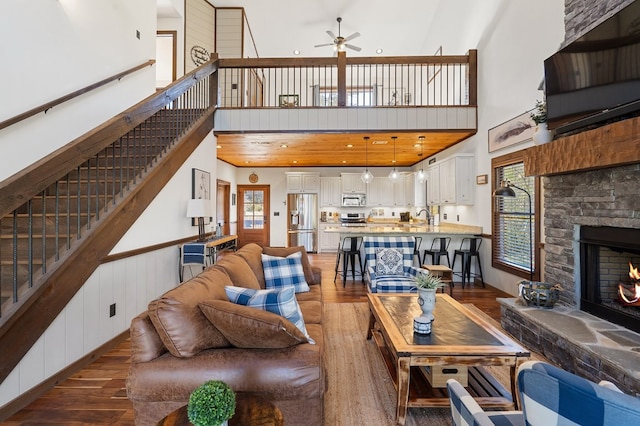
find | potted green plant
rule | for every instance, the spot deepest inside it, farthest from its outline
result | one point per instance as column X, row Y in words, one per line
column 427, row 285
column 539, row 116
column 211, row 404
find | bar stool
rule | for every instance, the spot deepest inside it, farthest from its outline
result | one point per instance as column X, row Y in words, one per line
column 416, row 249
column 439, row 248
column 348, row 251
column 469, row 248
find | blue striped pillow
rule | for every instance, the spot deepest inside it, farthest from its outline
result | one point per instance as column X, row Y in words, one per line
column 280, row 301
column 284, row 271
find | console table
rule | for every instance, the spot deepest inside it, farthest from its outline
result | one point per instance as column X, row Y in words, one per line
column 205, row 253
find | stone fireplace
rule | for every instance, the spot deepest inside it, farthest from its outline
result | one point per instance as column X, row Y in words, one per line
column 608, row 274
column 591, row 183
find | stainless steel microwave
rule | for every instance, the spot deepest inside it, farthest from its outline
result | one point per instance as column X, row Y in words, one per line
column 354, row 200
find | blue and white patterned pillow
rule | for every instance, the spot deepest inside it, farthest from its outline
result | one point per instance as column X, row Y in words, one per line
column 280, row 301
column 284, row 271
column 389, row 262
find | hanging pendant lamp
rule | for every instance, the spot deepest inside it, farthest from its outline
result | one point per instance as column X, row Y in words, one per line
column 394, row 175
column 366, row 176
column 421, row 175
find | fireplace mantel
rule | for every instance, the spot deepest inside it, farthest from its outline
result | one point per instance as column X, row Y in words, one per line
column 614, row 144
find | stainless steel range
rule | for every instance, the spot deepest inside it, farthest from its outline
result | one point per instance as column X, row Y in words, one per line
column 353, row 219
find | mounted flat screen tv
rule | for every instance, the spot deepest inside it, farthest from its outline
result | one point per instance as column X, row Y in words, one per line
column 596, row 78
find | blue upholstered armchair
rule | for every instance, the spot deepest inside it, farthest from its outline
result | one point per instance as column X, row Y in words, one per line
column 389, row 263
column 550, row 396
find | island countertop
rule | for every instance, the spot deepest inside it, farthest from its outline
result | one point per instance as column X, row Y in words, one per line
column 405, row 229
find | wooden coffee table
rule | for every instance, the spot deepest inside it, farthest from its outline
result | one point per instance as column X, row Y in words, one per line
column 461, row 339
column 250, row 410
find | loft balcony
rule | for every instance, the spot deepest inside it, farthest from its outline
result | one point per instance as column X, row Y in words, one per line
column 343, row 99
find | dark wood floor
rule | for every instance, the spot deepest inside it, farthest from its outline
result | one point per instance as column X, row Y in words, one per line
column 96, row 394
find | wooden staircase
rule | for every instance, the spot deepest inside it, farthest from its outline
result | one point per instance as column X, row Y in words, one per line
column 83, row 199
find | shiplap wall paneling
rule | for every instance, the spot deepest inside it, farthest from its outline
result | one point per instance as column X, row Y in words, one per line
column 200, row 27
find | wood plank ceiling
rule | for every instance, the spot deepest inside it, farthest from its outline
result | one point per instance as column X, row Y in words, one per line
column 332, row 149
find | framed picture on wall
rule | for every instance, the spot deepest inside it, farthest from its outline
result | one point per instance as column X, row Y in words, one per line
column 511, row 132
column 201, row 188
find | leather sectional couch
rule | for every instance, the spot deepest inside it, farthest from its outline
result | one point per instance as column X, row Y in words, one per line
column 175, row 346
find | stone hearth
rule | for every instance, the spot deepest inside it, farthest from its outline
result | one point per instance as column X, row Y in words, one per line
column 577, row 341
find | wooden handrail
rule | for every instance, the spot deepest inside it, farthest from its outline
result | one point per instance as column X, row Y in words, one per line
column 58, row 101
column 17, row 189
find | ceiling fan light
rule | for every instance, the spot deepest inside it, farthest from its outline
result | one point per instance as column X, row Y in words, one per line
column 366, row 176
column 421, row 176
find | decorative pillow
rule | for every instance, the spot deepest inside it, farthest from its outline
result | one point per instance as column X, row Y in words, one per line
column 389, row 262
column 286, row 251
column 280, row 301
column 247, row 327
column 284, row 271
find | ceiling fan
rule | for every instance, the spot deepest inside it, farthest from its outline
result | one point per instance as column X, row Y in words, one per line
column 341, row 42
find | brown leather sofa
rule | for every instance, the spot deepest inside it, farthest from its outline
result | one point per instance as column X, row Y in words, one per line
column 175, row 347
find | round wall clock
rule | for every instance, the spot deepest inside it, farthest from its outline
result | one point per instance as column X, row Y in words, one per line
column 253, row 178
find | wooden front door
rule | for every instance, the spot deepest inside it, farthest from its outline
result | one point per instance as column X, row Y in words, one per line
column 253, row 215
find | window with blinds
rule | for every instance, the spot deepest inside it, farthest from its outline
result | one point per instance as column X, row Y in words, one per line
column 514, row 220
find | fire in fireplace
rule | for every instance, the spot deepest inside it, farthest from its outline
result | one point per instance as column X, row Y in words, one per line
column 631, row 296
column 609, row 283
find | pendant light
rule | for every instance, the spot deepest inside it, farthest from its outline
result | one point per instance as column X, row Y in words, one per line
column 366, row 176
column 394, row 175
column 421, row 176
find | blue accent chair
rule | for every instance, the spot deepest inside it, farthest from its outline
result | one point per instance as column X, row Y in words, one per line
column 550, row 396
column 396, row 283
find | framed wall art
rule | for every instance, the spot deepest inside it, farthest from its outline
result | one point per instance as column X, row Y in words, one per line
column 289, row 101
column 201, row 188
column 511, row 132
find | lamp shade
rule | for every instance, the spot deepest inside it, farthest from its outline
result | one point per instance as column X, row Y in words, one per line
column 366, row 176
column 199, row 208
column 504, row 191
column 421, row 176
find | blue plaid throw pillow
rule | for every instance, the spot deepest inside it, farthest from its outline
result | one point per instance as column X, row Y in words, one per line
column 389, row 262
column 280, row 301
column 284, row 271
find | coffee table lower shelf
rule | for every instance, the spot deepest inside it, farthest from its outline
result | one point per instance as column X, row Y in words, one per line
column 485, row 389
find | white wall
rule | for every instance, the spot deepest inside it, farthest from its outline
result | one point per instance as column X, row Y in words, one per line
column 511, row 51
column 57, row 47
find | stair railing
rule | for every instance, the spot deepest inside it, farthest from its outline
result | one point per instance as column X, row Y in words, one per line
column 46, row 208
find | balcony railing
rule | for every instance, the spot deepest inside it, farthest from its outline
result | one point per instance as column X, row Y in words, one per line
column 342, row 81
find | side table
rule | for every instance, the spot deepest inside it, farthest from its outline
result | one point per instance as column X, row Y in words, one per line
column 250, row 410
column 445, row 273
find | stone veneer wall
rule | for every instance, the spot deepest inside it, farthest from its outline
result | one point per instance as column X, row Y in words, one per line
column 582, row 15
column 606, row 197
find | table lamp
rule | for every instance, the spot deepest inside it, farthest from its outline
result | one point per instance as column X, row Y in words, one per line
column 199, row 209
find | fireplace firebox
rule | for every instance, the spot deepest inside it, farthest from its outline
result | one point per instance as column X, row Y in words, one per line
column 607, row 254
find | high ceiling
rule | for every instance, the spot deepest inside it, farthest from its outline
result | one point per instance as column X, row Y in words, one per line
column 401, row 28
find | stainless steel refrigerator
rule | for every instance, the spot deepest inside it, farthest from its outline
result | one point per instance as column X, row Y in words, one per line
column 302, row 221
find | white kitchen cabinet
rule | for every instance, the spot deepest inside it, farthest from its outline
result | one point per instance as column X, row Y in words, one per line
column 399, row 192
column 415, row 192
column 352, row 183
column 451, row 181
column 330, row 192
column 303, row 182
column 380, row 193
column 433, row 185
column 328, row 241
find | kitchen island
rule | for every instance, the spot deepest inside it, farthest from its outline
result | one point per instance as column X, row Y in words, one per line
column 403, row 229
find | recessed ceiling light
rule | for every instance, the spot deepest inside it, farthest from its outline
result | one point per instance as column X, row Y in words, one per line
column 416, row 145
column 246, row 162
column 284, row 145
column 296, row 52
column 349, row 145
column 218, row 146
column 344, row 161
column 295, row 161
column 379, row 142
column 379, row 51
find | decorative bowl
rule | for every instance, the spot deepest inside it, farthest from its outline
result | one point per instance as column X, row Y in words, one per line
column 542, row 295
